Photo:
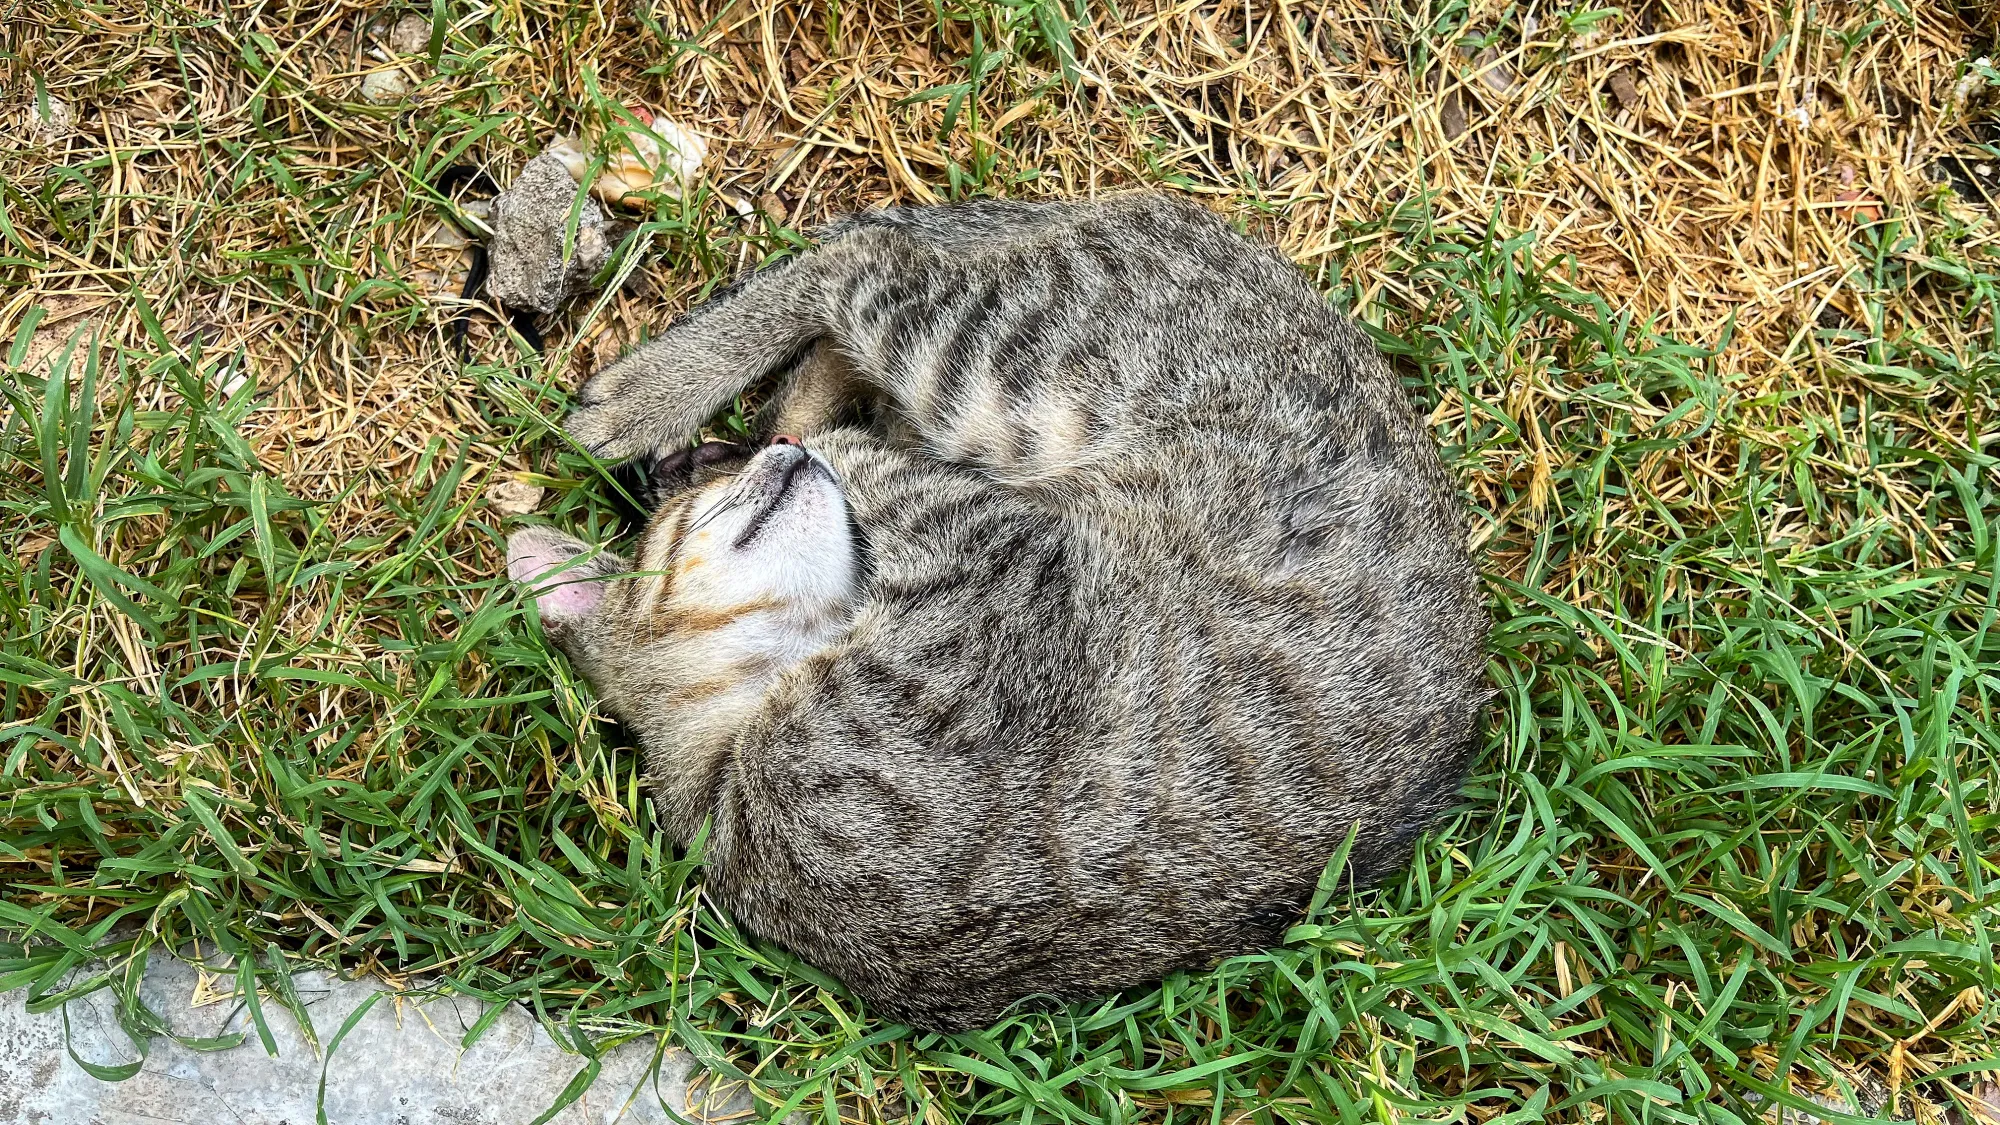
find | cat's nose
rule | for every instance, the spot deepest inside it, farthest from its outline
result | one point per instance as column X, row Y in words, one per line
column 784, row 439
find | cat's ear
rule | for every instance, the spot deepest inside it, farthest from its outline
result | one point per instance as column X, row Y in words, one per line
column 568, row 579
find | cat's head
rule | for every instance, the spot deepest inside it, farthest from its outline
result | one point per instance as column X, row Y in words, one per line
column 750, row 558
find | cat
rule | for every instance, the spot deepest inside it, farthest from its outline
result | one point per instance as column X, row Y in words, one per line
column 1096, row 582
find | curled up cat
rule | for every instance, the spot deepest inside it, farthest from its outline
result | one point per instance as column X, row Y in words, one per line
column 1095, row 581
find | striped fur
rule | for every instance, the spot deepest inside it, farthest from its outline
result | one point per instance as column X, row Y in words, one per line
column 1144, row 587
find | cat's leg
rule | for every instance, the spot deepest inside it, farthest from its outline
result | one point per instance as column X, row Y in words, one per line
column 1012, row 358
column 654, row 398
column 659, row 394
column 820, row 393
column 1018, row 359
column 1140, row 339
column 817, row 394
column 765, row 322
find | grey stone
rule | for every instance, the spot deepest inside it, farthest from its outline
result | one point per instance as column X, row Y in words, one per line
column 52, row 122
column 525, row 259
column 402, row 1064
column 411, row 35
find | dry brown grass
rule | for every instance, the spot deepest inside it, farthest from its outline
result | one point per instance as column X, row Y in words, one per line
column 1702, row 165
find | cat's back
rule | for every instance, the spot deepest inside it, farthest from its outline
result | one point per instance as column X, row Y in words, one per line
column 1278, row 628
column 1273, row 491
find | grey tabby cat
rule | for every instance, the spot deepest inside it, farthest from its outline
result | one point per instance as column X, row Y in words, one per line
column 1100, row 581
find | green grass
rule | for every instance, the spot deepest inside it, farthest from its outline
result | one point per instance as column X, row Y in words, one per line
column 1736, row 818
column 1733, row 837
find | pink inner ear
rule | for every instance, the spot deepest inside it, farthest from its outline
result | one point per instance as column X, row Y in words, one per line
column 578, row 597
column 542, row 560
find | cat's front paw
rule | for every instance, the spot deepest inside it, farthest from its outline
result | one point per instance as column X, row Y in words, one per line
column 611, row 431
column 613, row 418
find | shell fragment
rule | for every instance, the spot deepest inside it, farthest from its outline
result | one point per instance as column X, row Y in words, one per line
column 662, row 155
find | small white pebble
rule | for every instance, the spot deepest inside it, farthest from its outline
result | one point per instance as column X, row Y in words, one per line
column 514, row 497
column 687, row 149
column 570, row 151
column 385, row 86
column 448, row 237
column 232, row 380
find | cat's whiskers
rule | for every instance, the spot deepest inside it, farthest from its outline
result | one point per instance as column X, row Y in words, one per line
column 729, row 502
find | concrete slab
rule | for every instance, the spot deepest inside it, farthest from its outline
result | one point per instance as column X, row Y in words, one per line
column 401, row 1065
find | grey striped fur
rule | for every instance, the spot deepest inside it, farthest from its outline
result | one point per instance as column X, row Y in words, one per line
column 1136, row 585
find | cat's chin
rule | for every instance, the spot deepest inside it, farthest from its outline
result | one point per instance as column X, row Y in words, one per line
column 777, row 533
column 782, row 479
